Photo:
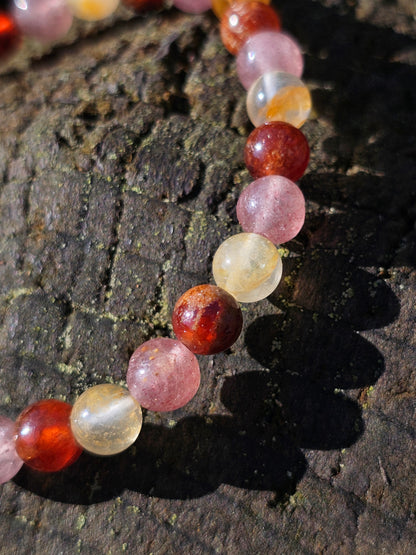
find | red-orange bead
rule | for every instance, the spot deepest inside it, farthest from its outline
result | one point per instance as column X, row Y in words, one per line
column 10, row 36
column 144, row 5
column 243, row 19
column 277, row 148
column 207, row 319
column 44, row 439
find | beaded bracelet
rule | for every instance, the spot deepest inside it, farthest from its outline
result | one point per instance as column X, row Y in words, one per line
column 163, row 373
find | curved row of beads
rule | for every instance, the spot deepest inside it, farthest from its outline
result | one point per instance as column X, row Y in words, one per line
column 163, row 373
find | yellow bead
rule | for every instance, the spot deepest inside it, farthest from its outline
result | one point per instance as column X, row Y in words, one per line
column 248, row 266
column 278, row 96
column 93, row 10
column 220, row 6
column 106, row 419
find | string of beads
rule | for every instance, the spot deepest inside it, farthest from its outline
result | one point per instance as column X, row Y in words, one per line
column 163, row 373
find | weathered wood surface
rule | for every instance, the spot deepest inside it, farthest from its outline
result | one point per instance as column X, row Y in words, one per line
column 120, row 166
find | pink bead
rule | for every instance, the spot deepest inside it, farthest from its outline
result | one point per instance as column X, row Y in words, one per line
column 163, row 375
column 193, row 6
column 10, row 462
column 43, row 19
column 268, row 51
column 272, row 206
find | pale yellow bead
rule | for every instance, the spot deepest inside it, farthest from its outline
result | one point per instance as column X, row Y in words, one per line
column 248, row 266
column 106, row 419
column 93, row 10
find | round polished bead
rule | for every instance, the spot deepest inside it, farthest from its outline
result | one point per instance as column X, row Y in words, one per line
column 278, row 96
column 277, row 148
column 221, row 6
column 268, row 51
column 106, row 419
column 248, row 266
column 43, row 436
column 43, row 19
column 10, row 36
column 207, row 319
column 93, row 10
column 163, row 374
column 144, row 5
column 193, row 6
column 243, row 19
column 10, row 462
column 272, row 206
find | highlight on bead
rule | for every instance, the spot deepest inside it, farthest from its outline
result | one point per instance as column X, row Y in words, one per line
column 248, row 266
column 163, row 374
column 278, row 96
column 106, row 420
column 207, row 319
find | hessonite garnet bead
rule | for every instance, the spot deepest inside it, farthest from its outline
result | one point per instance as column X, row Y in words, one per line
column 44, row 439
column 10, row 36
column 219, row 7
column 277, row 148
column 243, row 19
column 207, row 319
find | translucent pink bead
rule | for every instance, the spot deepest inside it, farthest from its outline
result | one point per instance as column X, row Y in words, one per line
column 43, row 19
column 163, row 374
column 193, row 6
column 268, row 51
column 10, row 462
column 272, row 206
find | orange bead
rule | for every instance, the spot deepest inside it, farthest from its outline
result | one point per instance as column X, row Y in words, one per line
column 10, row 36
column 243, row 19
column 219, row 7
column 44, row 439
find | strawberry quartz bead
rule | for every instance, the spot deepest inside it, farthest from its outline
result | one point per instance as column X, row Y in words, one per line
column 193, row 6
column 272, row 206
column 207, row 319
column 43, row 436
column 219, row 7
column 268, row 51
column 277, row 148
column 43, row 19
column 243, row 19
column 10, row 462
column 10, row 36
column 163, row 375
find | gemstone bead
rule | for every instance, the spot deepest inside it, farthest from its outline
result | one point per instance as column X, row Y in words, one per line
column 93, row 10
column 278, row 96
column 106, row 419
column 43, row 436
column 268, row 51
column 163, row 374
column 248, row 266
column 43, row 19
column 221, row 6
column 10, row 462
column 193, row 6
column 277, row 148
column 272, row 206
column 144, row 5
column 243, row 19
column 10, row 36
column 207, row 319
